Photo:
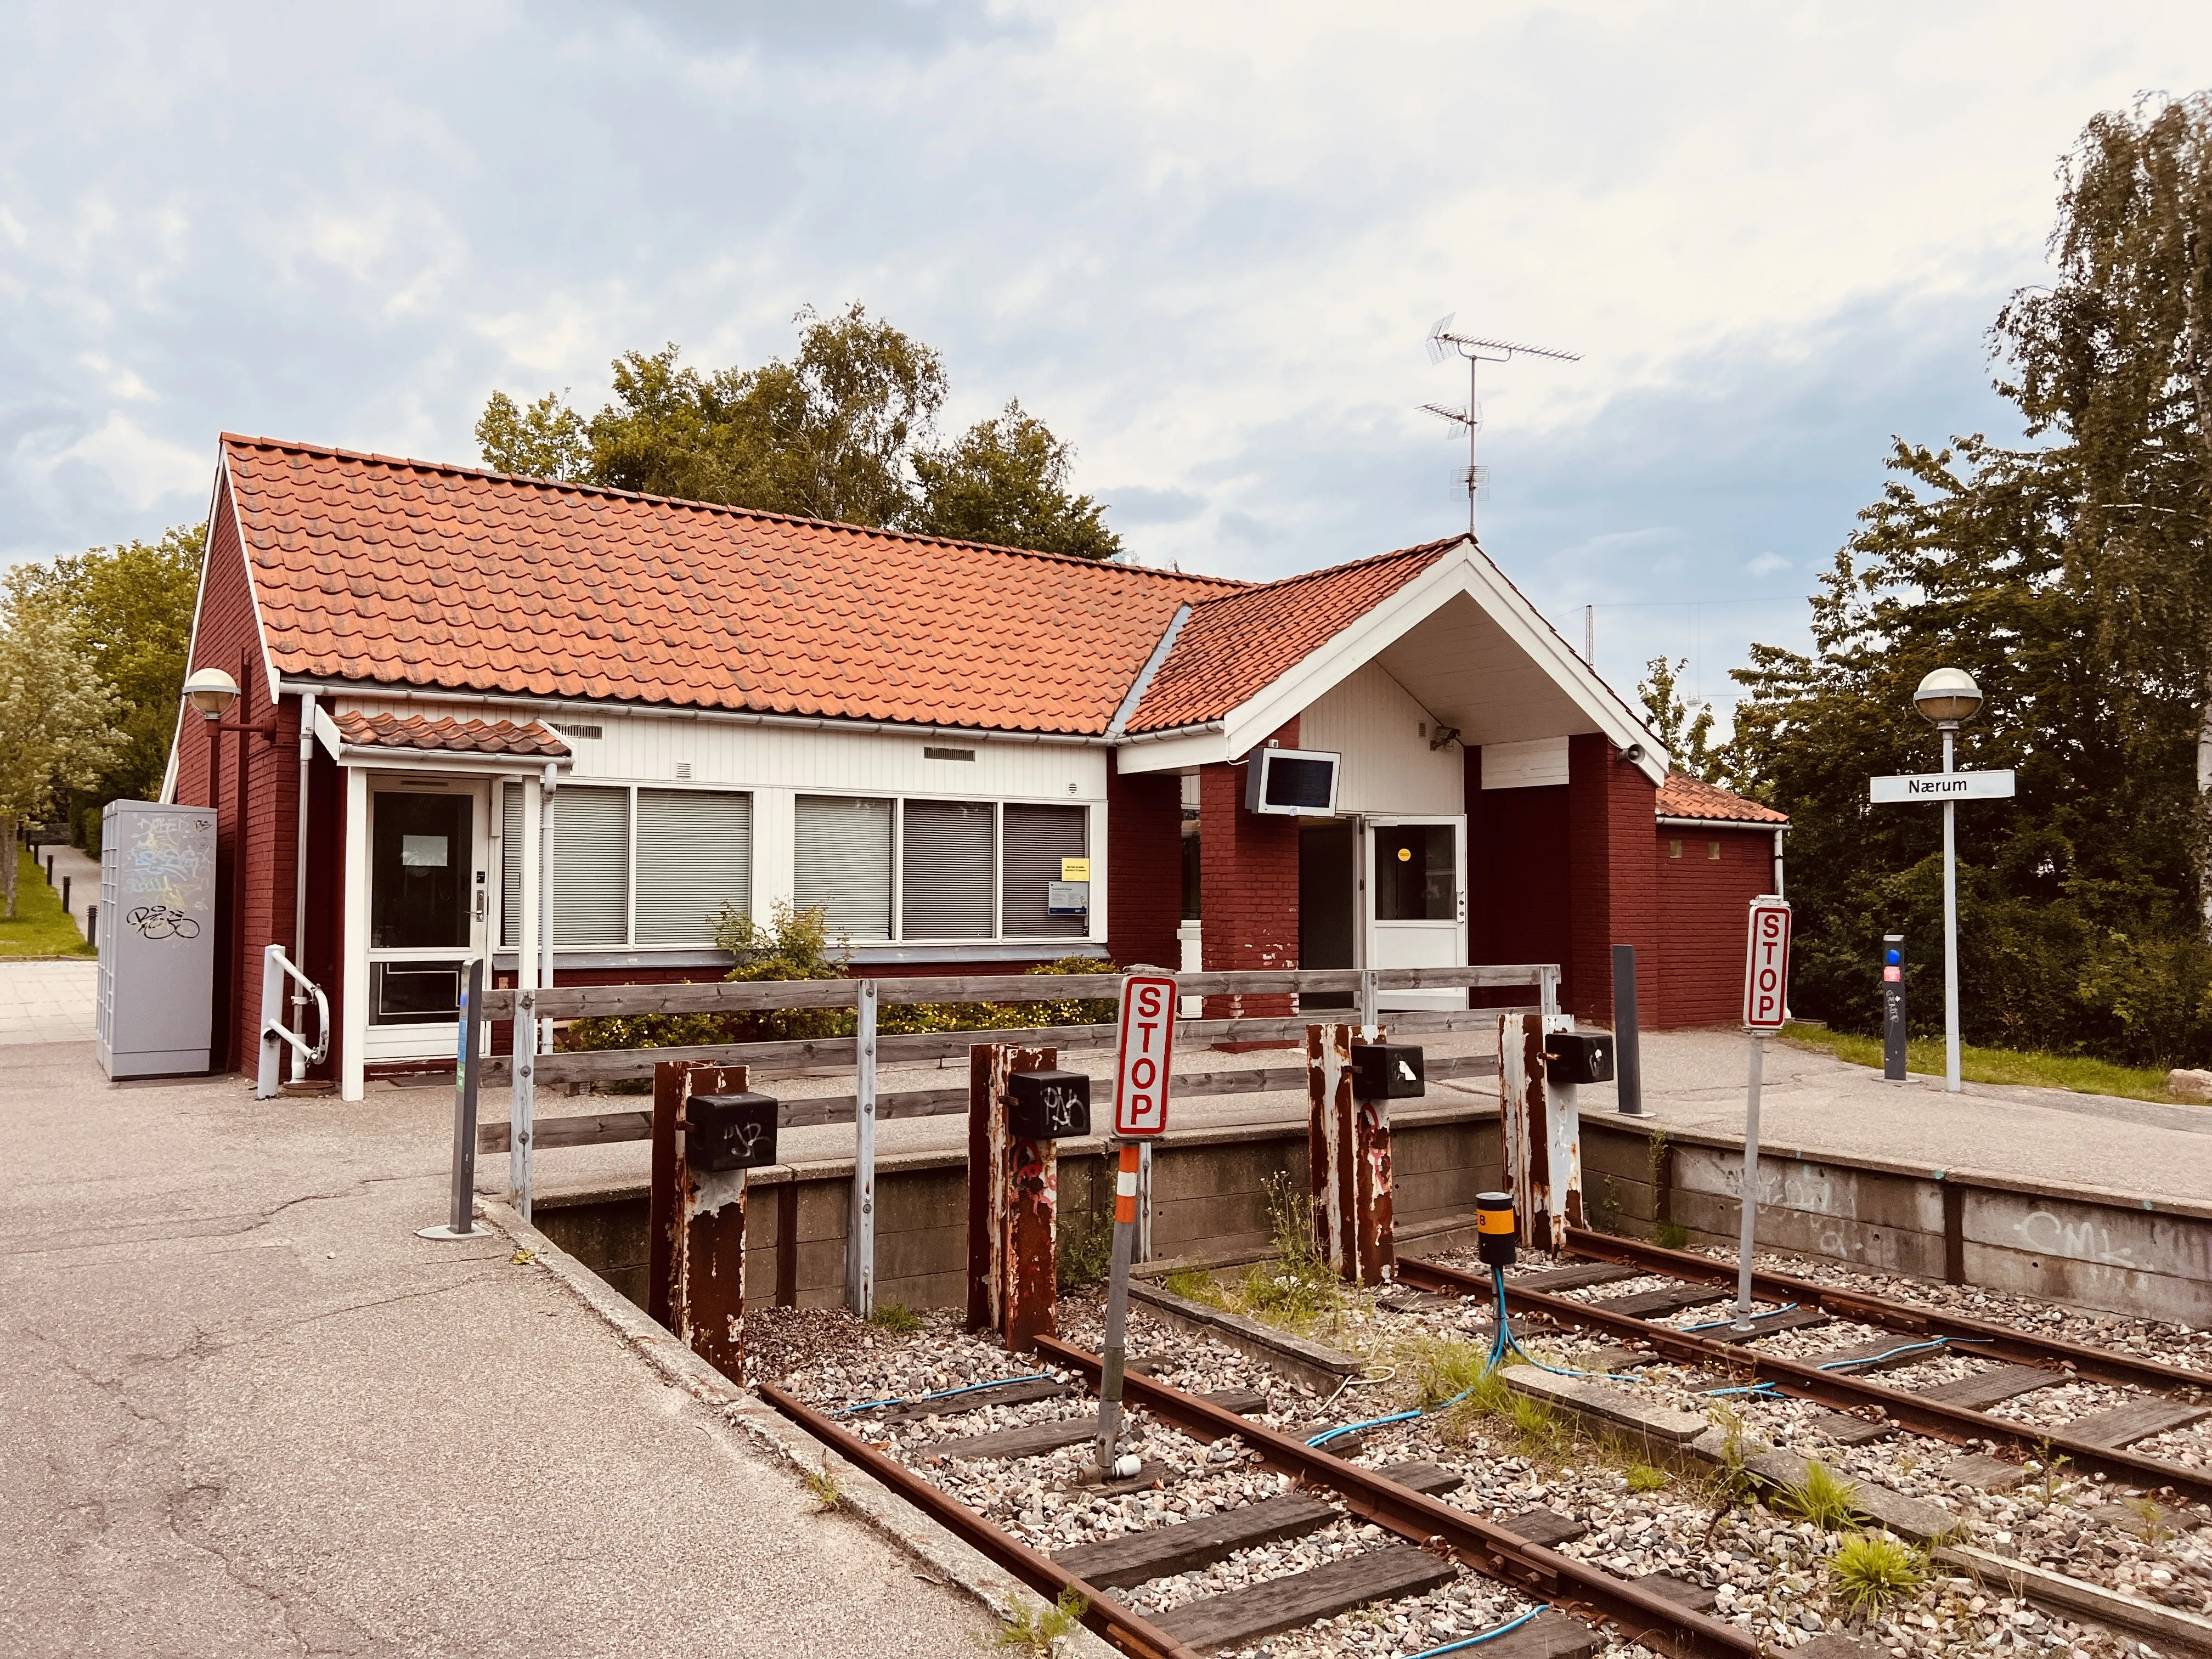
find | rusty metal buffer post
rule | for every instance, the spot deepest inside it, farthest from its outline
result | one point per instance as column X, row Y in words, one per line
column 1348, row 1142
column 1542, row 1135
column 1013, row 1195
column 696, row 1280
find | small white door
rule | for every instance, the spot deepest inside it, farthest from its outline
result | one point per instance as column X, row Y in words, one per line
column 430, row 901
column 1415, row 871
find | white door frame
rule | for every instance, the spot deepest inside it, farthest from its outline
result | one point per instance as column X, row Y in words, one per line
column 1373, row 939
column 432, row 1039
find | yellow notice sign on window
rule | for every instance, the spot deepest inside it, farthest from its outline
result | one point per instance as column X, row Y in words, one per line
column 1075, row 869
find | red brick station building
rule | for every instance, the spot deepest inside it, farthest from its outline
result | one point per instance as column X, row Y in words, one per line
column 971, row 758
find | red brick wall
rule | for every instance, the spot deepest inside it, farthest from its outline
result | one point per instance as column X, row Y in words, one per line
column 1517, row 874
column 1613, row 890
column 1702, row 905
column 1248, row 880
column 257, row 910
column 1143, row 866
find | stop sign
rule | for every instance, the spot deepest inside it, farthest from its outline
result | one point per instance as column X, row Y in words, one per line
column 1766, row 965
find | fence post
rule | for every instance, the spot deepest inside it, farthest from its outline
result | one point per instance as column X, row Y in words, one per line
column 1348, row 1146
column 1547, row 988
column 695, row 1277
column 1012, row 1194
column 1368, row 997
column 860, row 1216
column 522, row 1107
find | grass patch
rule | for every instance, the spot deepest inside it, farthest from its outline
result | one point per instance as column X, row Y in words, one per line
column 1644, row 1477
column 1083, row 1250
column 1294, row 1289
column 40, row 927
column 896, row 1318
column 1192, row 1284
column 1037, row 1630
column 1672, row 1236
column 1823, row 1497
column 1872, row 1571
column 2034, row 1068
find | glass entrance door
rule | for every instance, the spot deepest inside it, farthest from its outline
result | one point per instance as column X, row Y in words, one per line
column 1416, row 901
column 426, row 905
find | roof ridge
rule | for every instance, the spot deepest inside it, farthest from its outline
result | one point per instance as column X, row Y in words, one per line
column 452, row 469
column 1282, row 583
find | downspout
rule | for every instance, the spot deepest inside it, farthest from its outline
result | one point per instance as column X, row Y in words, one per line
column 545, row 897
column 300, row 884
column 1777, row 865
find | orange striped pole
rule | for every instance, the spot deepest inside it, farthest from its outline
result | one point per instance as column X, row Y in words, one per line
column 1117, row 1307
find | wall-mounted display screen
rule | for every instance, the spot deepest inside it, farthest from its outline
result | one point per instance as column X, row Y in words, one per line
column 1292, row 783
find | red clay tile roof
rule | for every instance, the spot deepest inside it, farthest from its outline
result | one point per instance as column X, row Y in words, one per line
column 1240, row 643
column 531, row 738
column 372, row 568
column 1685, row 797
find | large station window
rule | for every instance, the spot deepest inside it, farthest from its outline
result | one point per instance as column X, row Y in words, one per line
column 691, row 852
column 695, row 854
column 842, row 864
column 948, row 858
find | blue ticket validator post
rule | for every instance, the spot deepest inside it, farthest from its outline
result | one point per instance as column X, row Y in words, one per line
column 1893, row 1007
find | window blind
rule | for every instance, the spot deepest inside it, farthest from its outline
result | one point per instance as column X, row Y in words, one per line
column 510, row 865
column 944, row 870
column 695, row 854
column 842, row 863
column 1036, row 838
column 591, row 866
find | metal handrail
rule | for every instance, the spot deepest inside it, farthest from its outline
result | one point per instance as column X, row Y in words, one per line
column 275, row 966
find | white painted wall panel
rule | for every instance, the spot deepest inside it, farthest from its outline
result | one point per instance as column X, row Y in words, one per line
column 1535, row 765
column 1389, row 767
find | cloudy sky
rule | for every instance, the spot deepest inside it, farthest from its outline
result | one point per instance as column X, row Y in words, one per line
column 1204, row 242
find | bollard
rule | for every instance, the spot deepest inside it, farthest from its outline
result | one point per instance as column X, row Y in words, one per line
column 467, row 1068
column 49, row 869
column 1348, row 1150
column 1628, row 1074
column 696, row 1230
column 1014, row 1188
column 92, row 925
column 65, row 895
column 1893, row 1008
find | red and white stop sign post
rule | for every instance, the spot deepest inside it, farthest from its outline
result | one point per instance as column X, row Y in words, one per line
column 1765, row 1007
column 1143, row 1051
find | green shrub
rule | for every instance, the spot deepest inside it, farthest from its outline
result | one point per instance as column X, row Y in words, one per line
column 1872, row 1571
column 1823, row 1497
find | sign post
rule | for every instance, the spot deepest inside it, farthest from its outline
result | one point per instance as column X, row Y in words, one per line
column 1949, row 787
column 1766, row 1007
column 1893, row 1007
column 1141, row 1056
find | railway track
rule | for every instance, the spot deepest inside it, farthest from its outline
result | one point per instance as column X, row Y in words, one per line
column 1561, row 1601
column 2164, row 1397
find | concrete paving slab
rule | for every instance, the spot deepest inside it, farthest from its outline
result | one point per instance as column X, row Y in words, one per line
column 248, row 1411
column 48, row 1001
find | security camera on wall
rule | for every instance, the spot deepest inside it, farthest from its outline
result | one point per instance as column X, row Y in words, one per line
column 1292, row 783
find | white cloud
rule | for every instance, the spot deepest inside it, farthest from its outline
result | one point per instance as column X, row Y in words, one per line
column 1766, row 564
column 139, row 468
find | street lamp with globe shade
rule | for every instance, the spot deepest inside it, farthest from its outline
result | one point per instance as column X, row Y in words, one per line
column 211, row 692
column 1947, row 696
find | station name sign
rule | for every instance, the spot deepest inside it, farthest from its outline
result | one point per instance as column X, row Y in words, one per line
column 1943, row 786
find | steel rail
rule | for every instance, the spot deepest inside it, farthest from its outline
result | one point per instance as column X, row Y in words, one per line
column 1127, row 1630
column 1575, row 1586
column 1833, row 1389
column 2098, row 1364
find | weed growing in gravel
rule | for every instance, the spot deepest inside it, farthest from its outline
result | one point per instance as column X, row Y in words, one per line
column 2150, row 1521
column 1083, row 1249
column 1443, row 1367
column 1037, row 1629
column 1672, row 1236
column 2054, row 1469
column 1643, row 1476
column 1823, row 1497
column 1294, row 1288
column 896, row 1318
column 1872, row 1570
column 826, row 1493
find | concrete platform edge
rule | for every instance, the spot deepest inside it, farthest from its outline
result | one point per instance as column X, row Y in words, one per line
column 869, row 1500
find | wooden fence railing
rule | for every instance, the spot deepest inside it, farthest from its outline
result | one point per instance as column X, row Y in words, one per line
column 867, row 1047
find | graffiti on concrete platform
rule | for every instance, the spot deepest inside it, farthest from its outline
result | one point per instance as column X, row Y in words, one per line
column 2084, row 1240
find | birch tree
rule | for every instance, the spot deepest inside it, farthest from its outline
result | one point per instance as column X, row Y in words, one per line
column 56, row 730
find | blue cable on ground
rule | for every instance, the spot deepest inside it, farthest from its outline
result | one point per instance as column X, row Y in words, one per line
column 1486, row 1636
column 943, row 1393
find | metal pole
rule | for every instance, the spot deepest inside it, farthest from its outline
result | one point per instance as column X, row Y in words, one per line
column 1117, row 1308
column 1144, row 1251
column 546, row 788
column 468, row 1067
column 1893, row 1037
column 1750, row 1195
column 860, row 1234
column 1473, row 421
column 300, row 880
column 1950, row 926
column 1589, row 634
column 1627, row 1057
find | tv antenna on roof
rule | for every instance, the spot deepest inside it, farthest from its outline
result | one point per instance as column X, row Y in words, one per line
column 1443, row 343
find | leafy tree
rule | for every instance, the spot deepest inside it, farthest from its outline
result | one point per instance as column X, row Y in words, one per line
column 127, row 610
column 846, row 431
column 2072, row 575
column 54, row 730
column 1006, row 481
column 1688, row 737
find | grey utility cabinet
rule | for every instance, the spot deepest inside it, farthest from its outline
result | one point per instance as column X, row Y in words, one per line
column 157, row 937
